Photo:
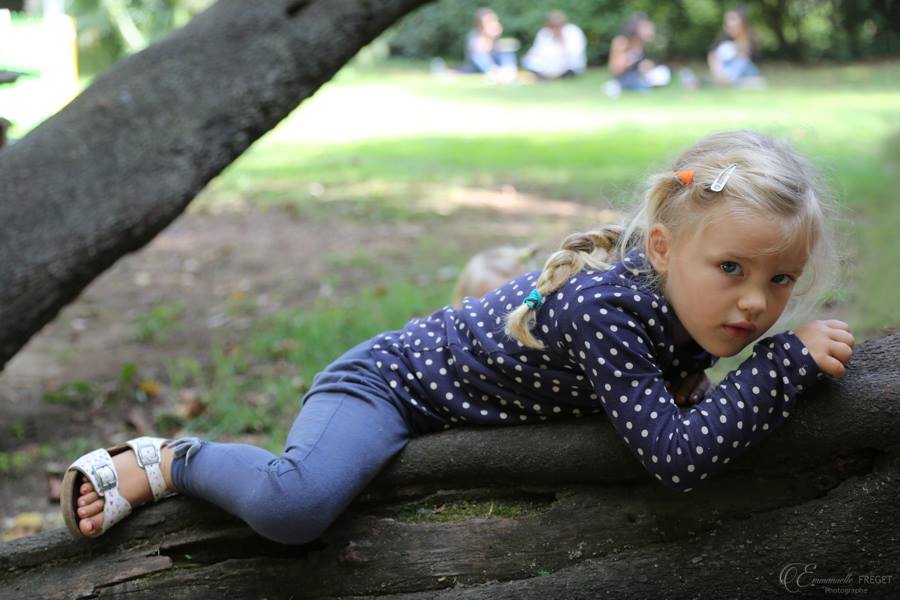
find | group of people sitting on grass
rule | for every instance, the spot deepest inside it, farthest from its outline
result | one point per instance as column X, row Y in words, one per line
column 559, row 50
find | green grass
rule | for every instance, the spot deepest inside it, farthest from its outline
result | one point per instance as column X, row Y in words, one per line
column 256, row 386
column 388, row 143
column 157, row 323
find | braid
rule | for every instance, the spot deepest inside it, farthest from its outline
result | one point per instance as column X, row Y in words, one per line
column 594, row 249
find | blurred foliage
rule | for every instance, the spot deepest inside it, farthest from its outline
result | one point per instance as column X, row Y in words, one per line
column 110, row 29
column 789, row 29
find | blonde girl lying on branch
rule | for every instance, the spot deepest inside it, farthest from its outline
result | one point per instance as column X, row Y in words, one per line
column 734, row 238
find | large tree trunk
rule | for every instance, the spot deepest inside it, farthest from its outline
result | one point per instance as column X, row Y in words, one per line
column 818, row 499
column 122, row 161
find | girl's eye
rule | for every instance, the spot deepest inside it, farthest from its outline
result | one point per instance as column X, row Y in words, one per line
column 786, row 281
column 730, row 267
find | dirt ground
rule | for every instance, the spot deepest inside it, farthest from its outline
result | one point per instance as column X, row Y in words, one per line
column 201, row 262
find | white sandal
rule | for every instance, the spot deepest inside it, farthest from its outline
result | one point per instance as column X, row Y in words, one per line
column 98, row 467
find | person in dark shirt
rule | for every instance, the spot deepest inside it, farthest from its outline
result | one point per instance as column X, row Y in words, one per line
column 621, row 323
column 628, row 62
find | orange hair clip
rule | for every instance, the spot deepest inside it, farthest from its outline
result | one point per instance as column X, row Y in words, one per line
column 684, row 177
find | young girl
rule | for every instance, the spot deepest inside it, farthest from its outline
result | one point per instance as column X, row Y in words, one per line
column 720, row 246
column 486, row 51
column 730, row 58
column 627, row 62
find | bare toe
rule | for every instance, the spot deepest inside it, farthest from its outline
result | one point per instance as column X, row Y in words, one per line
column 92, row 525
column 88, row 498
column 91, row 509
column 132, row 486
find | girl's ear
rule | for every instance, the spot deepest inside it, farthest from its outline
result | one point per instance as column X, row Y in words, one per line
column 659, row 245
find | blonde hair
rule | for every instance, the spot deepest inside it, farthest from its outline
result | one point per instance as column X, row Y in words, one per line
column 771, row 180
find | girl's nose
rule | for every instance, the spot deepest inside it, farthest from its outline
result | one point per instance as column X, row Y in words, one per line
column 752, row 304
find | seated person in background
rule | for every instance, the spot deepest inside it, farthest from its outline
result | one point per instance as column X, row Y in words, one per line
column 627, row 61
column 486, row 52
column 492, row 268
column 558, row 50
column 729, row 58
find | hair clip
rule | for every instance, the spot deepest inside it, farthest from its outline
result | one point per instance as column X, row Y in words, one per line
column 684, row 177
column 719, row 183
column 533, row 300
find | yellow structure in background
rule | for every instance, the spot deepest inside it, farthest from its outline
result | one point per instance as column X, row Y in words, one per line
column 44, row 49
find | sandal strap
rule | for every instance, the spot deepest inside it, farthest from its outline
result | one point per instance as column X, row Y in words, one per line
column 148, row 455
column 99, row 468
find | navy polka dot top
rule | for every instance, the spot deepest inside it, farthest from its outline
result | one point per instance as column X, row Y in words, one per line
column 608, row 338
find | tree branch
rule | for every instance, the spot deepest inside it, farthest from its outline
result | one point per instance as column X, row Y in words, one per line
column 565, row 512
column 123, row 160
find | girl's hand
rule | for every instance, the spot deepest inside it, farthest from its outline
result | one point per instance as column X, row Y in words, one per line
column 830, row 343
column 692, row 389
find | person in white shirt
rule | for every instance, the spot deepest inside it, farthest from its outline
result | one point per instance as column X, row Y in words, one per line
column 558, row 50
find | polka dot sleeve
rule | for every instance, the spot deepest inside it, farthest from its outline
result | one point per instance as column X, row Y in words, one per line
column 616, row 347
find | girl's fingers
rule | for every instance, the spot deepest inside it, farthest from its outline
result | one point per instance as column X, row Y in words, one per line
column 691, row 389
column 834, row 323
column 700, row 390
column 687, row 387
column 842, row 336
column 833, row 366
column 678, row 396
column 840, row 351
column 681, row 392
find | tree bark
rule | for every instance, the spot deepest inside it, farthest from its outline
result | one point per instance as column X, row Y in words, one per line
column 102, row 177
column 817, row 498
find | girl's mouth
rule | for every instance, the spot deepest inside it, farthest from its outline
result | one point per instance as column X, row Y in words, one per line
column 737, row 332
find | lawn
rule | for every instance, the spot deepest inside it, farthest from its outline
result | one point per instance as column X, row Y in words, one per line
column 389, row 142
column 393, row 144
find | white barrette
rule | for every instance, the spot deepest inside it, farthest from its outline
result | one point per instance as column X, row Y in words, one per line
column 719, row 184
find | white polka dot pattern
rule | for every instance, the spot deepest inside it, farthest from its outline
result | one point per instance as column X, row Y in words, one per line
column 609, row 348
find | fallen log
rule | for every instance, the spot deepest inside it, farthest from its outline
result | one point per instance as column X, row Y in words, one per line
column 556, row 510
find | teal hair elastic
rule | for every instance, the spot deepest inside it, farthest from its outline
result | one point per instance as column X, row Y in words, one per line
column 533, row 300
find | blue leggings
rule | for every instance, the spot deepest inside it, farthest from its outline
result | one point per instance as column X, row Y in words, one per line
column 350, row 426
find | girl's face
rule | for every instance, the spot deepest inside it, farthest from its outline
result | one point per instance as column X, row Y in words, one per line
column 490, row 25
column 724, row 288
column 646, row 30
column 734, row 24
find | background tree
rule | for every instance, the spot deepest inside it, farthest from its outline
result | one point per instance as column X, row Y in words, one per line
column 110, row 29
column 102, row 177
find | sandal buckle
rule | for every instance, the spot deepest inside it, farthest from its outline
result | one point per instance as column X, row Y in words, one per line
column 147, row 455
column 106, row 475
